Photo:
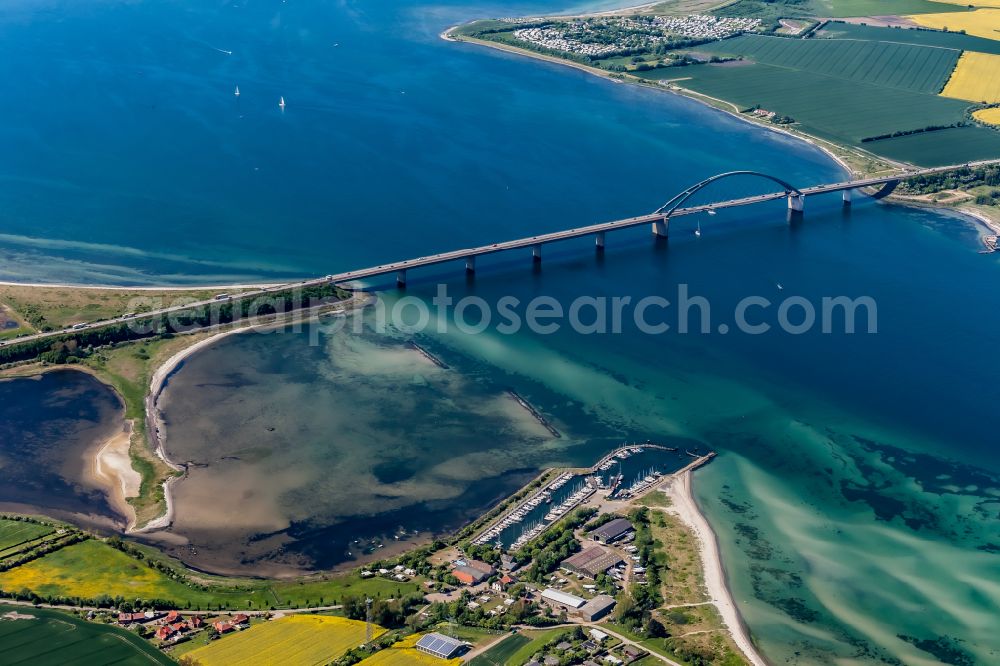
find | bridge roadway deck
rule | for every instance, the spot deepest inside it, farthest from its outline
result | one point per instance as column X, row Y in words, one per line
column 542, row 239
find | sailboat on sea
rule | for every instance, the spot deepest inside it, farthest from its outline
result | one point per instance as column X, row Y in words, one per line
column 697, row 232
column 237, row 91
column 281, row 103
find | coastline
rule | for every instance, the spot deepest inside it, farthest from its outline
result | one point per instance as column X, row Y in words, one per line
column 685, row 507
column 975, row 217
column 672, row 88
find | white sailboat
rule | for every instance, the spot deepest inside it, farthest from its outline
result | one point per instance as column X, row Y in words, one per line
column 237, row 91
column 281, row 103
column 697, row 232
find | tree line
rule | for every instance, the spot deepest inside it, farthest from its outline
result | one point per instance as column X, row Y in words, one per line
column 78, row 344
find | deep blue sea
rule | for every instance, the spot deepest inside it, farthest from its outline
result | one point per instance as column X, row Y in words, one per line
column 856, row 494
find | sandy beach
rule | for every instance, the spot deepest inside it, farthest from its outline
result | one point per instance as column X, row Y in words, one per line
column 112, row 468
column 684, row 506
column 991, row 225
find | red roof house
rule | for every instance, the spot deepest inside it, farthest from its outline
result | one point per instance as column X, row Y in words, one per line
column 223, row 627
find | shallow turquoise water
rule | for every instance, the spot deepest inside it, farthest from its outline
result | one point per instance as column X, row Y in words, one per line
column 856, row 494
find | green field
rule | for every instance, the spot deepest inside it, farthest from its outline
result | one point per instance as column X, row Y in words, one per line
column 889, row 65
column 502, row 652
column 950, row 146
column 537, row 640
column 58, row 638
column 933, row 38
column 774, row 9
column 16, row 532
column 844, row 8
column 829, row 107
column 93, row 568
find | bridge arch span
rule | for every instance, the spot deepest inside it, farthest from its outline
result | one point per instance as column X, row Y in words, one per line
column 668, row 208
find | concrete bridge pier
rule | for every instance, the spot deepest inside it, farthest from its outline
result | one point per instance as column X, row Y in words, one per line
column 536, row 253
column 796, row 203
column 848, row 194
column 599, row 241
column 661, row 228
column 401, row 278
column 470, row 264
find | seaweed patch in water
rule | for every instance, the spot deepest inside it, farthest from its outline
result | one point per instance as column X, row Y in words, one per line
column 943, row 648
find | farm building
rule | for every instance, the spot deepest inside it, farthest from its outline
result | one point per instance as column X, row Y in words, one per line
column 591, row 561
column 597, row 608
column 612, row 531
column 562, row 598
column 439, row 645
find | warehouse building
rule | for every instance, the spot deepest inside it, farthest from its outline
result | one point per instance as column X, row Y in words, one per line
column 558, row 598
column 612, row 531
column 591, row 562
column 596, row 608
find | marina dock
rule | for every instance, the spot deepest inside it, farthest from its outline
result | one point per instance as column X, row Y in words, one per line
column 590, row 483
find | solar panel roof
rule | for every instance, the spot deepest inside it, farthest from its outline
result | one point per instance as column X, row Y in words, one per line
column 439, row 644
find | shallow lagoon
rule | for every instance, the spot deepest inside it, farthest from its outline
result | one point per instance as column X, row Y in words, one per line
column 51, row 427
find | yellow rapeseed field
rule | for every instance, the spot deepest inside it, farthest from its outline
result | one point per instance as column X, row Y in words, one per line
column 981, row 22
column 976, row 78
column 403, row 653
column 296, row 640
column 87, row 570
column 989, row 116
column 973, row 3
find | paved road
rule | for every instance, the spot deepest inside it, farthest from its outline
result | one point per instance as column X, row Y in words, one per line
column 520, row 243
column 252, row 613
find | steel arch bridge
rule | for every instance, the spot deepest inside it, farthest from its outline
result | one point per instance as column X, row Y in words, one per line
column 677, row 201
